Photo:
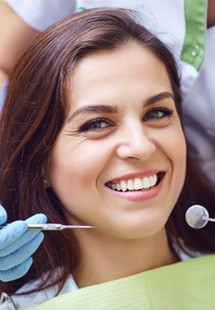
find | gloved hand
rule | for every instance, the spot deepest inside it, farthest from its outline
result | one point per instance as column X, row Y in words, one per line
column 17, row 244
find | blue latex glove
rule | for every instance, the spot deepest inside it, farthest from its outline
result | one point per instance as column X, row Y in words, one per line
column 17, row 244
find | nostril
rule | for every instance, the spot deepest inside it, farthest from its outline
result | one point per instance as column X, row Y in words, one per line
column 134, row 151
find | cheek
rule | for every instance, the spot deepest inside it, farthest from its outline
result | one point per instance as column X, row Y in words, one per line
column 67, row 177
column 174, row 145
column 178, row 148
column 176, row 151
column 73, row 168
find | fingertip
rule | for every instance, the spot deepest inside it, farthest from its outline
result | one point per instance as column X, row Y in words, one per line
column 38, row 240
column 11, row 233
column 27, row 264
column 39, row 218
column 42, row 235
column 3, row 215
column 16, row 272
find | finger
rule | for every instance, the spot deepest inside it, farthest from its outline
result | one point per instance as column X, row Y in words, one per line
column 3, row 215
column 19, row 256
column 16, row 234
column 10, row 233
column 16, row 272
column 21, row 240
column 39, row 218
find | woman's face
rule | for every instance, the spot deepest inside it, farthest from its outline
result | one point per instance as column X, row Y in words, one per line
column 119, row 161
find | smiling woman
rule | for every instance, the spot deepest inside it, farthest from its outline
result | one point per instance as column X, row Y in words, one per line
column 133, row 127
column 91, row 134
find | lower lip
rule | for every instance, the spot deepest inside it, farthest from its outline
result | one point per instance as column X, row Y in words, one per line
column 140, row 195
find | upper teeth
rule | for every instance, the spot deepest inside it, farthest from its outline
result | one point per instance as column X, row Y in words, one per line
column 134, row 184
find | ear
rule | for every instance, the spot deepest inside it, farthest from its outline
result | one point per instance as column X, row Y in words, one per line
column 44, row 175
column 45, row 183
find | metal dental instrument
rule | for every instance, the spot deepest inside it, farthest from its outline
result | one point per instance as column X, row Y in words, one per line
column 197, row 217
column 9, row 301
column 54, row 227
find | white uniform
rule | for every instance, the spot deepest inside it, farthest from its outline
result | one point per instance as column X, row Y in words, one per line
column 181, row 24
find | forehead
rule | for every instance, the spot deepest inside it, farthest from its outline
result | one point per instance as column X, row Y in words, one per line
column 130, row 53
column 107, row 73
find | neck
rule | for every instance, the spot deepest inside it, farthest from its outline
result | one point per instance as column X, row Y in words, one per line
column 105, row 259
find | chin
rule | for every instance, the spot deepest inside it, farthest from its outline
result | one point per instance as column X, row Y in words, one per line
column 140, row 230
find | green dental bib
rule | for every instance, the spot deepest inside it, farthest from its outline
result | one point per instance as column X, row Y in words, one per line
column 185, row 285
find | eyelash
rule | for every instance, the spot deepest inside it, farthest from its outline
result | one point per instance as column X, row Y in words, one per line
column 92, row 124
column 89, row 125
column 166, row 112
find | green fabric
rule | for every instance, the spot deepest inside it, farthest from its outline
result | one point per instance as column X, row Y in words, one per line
column 185, row 285
column 194, row 43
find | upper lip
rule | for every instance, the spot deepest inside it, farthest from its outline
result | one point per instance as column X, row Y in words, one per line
column 134, row 175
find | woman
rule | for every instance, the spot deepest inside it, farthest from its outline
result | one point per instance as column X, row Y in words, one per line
column 91, row 134
column 179, row 24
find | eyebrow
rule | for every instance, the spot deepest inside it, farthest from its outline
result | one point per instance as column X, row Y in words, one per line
column 159, row 97
column 94, row 109
column 114, row 109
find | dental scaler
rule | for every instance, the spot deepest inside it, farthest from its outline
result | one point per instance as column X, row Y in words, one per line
column 53, row 227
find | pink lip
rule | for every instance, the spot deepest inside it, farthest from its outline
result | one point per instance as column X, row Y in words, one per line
column 136, row 175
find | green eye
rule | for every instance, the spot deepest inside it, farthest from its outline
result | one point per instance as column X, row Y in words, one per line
column 158, row 113
column 95, row 125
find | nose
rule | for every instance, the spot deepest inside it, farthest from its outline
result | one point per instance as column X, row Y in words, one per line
column 135, row 143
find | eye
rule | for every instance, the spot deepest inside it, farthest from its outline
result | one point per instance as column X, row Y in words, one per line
column 157, row 114
column 96, row 125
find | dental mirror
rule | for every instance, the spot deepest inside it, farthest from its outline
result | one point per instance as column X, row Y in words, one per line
column 197, row 217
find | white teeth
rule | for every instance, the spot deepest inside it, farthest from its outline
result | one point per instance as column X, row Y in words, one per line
column 123, row 186
column 135, row 184
column 118, row 187
column 138, row 184
column 153, row 179
column 130, row 185
column 113, row 186
column 146, row 182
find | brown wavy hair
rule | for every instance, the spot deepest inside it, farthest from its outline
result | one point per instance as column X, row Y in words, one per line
column 33, row 115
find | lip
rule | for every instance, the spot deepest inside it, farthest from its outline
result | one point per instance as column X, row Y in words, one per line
column 140, row 195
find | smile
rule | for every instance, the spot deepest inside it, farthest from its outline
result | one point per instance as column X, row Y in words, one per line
column 136, row 184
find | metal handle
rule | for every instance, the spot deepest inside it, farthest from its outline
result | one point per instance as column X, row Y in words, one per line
column 53, row 226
